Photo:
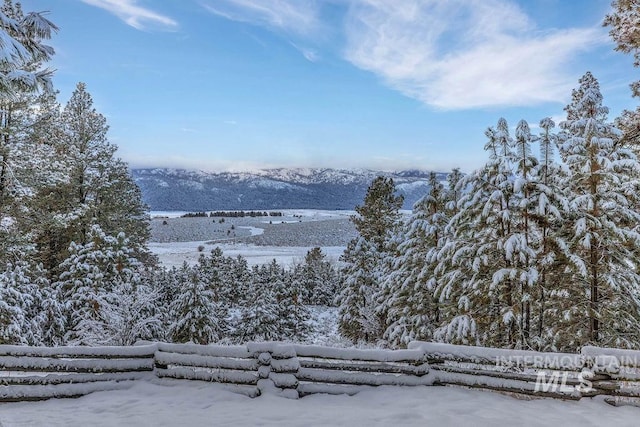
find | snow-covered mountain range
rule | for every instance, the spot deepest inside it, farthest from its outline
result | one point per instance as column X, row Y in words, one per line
column 283, row 188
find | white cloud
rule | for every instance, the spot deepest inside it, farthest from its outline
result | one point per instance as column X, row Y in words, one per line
column 132, row 14
column 309, row 54
column 449, row 54
column 136, row 161
column 292, row 16
column 461, row 54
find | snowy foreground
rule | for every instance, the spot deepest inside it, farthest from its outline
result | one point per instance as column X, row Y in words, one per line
column 192, row 403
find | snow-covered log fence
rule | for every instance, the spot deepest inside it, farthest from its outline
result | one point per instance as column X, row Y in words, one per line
column 594, row 371
column 557, row 375
column 235, row 366
column 292, row 370
column 617, row 372
column 338, row 371
column 37, row 373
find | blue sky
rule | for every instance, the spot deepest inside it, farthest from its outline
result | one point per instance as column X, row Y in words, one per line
column 381, row 84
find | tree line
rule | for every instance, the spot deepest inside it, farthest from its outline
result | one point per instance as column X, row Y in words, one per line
column 534, row 252
column 529, row 251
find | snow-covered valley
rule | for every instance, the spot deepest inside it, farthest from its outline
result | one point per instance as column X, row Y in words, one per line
column 259, row 240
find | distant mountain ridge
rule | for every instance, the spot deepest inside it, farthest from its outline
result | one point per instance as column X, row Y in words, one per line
column 282, row 188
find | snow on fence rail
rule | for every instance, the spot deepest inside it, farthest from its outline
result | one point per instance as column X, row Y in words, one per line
column 337, row 371
column 233, row 365
column 594, row 371
column 32, row 373
column 36, row 373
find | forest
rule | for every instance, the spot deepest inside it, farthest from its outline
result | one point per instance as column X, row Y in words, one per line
column 531, row 251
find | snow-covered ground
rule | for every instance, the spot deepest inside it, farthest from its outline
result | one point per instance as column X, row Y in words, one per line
column 175, row 253
column 193, row 403
column 285, row 239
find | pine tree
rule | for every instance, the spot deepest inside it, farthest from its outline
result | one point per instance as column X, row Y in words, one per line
column 19, row 298
column 411, row 310
column 292, row 314
column 260, row 313
column 135, row 315
column 91, row 276
column 23, row 48
column 50, row 318
column 364, row 257
column 481, row 264
column 379, row 213
column 218, row 271
column 602, row 221
column 99, row 189
column 316, row 279
column 194, row 311
column 624, row 24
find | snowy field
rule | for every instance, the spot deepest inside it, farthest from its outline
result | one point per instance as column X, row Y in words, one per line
column 175, row 253
column 194, row 403
column 260, row 240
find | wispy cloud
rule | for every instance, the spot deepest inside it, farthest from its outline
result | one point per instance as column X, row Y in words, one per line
column 451, row 55
column 292, row 16
column 463, row 54
column 132, row 14
column 309, row 54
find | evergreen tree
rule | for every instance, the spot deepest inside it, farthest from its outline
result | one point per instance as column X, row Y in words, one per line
column 100, row 190
column 292, row 314
column 18, row 299
column 260, row 313
column 624, row 24
column 88, row 285
column 23, row 50
column 194, row 311
column 476, row 275
column 376, row 220
column 411, row 310
column 316, row 279
column 602, row 221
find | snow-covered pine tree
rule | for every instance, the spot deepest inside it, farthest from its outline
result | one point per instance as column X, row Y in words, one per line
column 357, row 302
column 194, row 310
column 51, row 317
column 379, row 214
column 218, row 271
column 454, row 192
column 292, row 314
column 548, row 200
column 136, row 314
column 43, row 171
column 605, row 285
column 363, row 260
column 19, row 299
column 523, row 243
column 411, row 310
column 100, row 190
column 89, row 284
column 479, row 266
column 239, row 284
column 23, row 48
column 316, row 278
column 624, row 29
column 259, row 317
